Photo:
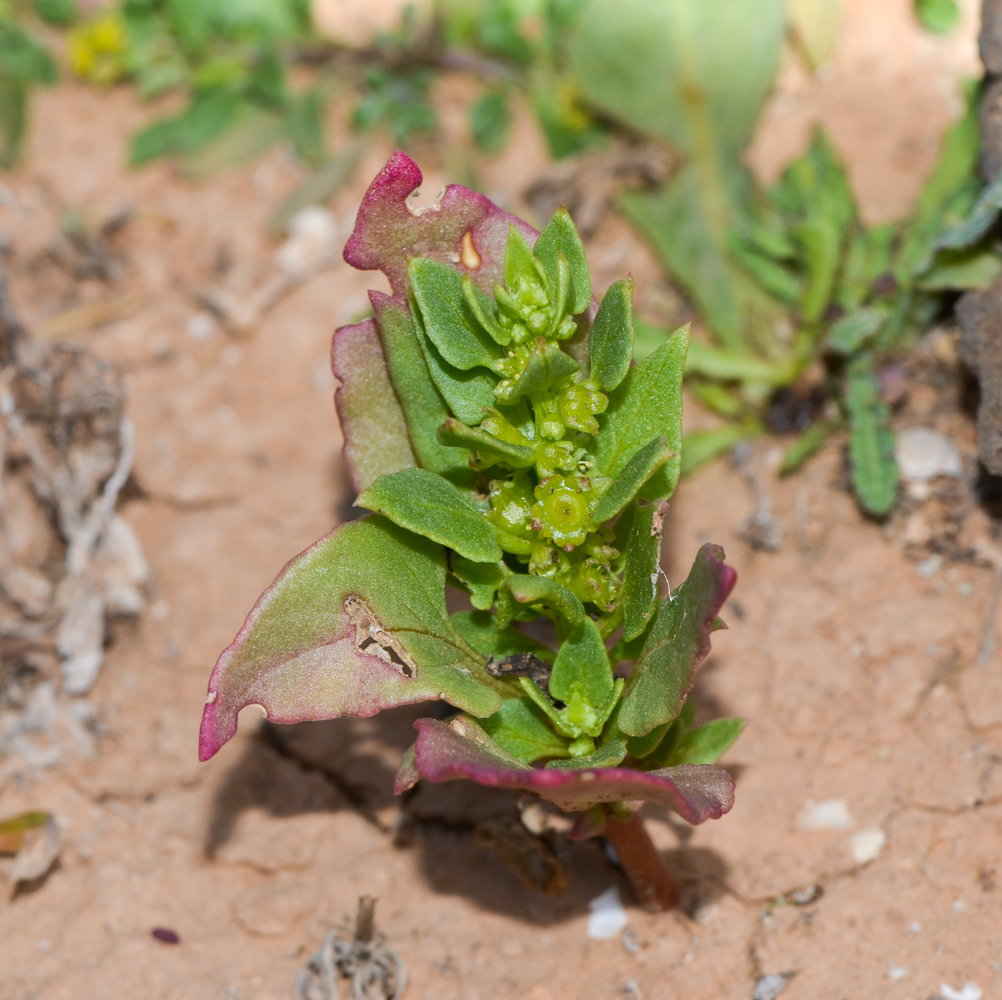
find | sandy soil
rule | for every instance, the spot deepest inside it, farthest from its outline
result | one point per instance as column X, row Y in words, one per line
column 855, row 664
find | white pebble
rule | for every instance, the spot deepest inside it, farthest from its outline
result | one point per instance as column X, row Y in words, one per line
column 923, row 454
column 607, row 916
column 970, row 991
column 829, row 814
column 867, row 845
column 201, row 325
column 896, row 971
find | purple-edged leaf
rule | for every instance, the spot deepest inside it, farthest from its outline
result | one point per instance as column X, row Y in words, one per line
column 355, row 624
column 462, row 228
column 676, row 645
column 375, row 432
column 461, row 749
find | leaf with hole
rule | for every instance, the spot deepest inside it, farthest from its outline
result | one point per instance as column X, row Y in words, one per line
column 332, row 637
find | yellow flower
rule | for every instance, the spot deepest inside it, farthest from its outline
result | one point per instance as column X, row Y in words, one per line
column 97, row 49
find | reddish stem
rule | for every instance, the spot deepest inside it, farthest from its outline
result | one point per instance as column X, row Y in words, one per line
column 640, row 860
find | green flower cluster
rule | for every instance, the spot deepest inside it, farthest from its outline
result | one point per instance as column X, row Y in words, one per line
column 537, row 441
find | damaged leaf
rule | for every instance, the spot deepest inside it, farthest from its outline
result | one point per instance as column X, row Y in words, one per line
column 324, row 639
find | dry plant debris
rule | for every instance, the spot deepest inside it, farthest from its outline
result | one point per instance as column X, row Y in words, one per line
column 68, row 561
column 376, row 971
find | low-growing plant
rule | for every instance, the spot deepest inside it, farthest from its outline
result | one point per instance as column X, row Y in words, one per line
column 507, row 447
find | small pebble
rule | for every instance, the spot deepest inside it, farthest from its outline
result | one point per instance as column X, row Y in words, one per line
column 607, row 916
column 769, row 987
column 970, row 991
column 959, row 905
column 165, row 935
column 915, row 927
column 896, row 971
column 867, row 845
column 829, row 814
column 923, row 455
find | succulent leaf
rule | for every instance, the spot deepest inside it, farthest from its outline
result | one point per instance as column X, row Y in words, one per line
column 677, row 643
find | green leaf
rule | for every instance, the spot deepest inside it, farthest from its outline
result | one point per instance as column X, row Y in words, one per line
column 779, row 281
column 482, row 578
column 938, row 16
column 676, row 645
column 306, row 125
column 554, row 598
column 59, row 13
column 686, row 222
column 546, row 366
column 639, row 594
column 643, row 746
column 458, row 435
column 519, row 261
column 467, row 393
column 700, row 447
column 641, row 467
column 807, row 445
column 868, row 257
column 814, row 192
column 961, row 270
column 681, row 71
column 481, row 631
column 447, row 320
column 707, row 743
column 964, row 235
column 520, row 727
column 337, row 634
column 582, row 662
column 560, row 237
column 728, row 365
column 953, row 183
column 252, row 131
column 851, row 332
column 420, row 399
column 490, row 121
column 13, row 120
column 209, row 116
column 423, row 502
column 647, row 404
column 610, row 343
column 610, row 753
column 871, row 440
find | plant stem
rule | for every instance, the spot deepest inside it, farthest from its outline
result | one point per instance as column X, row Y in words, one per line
column 640, row 860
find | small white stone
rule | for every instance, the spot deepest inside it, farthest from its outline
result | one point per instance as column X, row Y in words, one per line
column 896, row 971
column 867, row 845
column 607, row 916
column 923, row 454
column 829, row 814
column 970, row 991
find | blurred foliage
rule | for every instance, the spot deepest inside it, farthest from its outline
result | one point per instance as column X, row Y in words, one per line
column 805, row 305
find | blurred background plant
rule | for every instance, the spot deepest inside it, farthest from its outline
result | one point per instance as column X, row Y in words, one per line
column 807, row 310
